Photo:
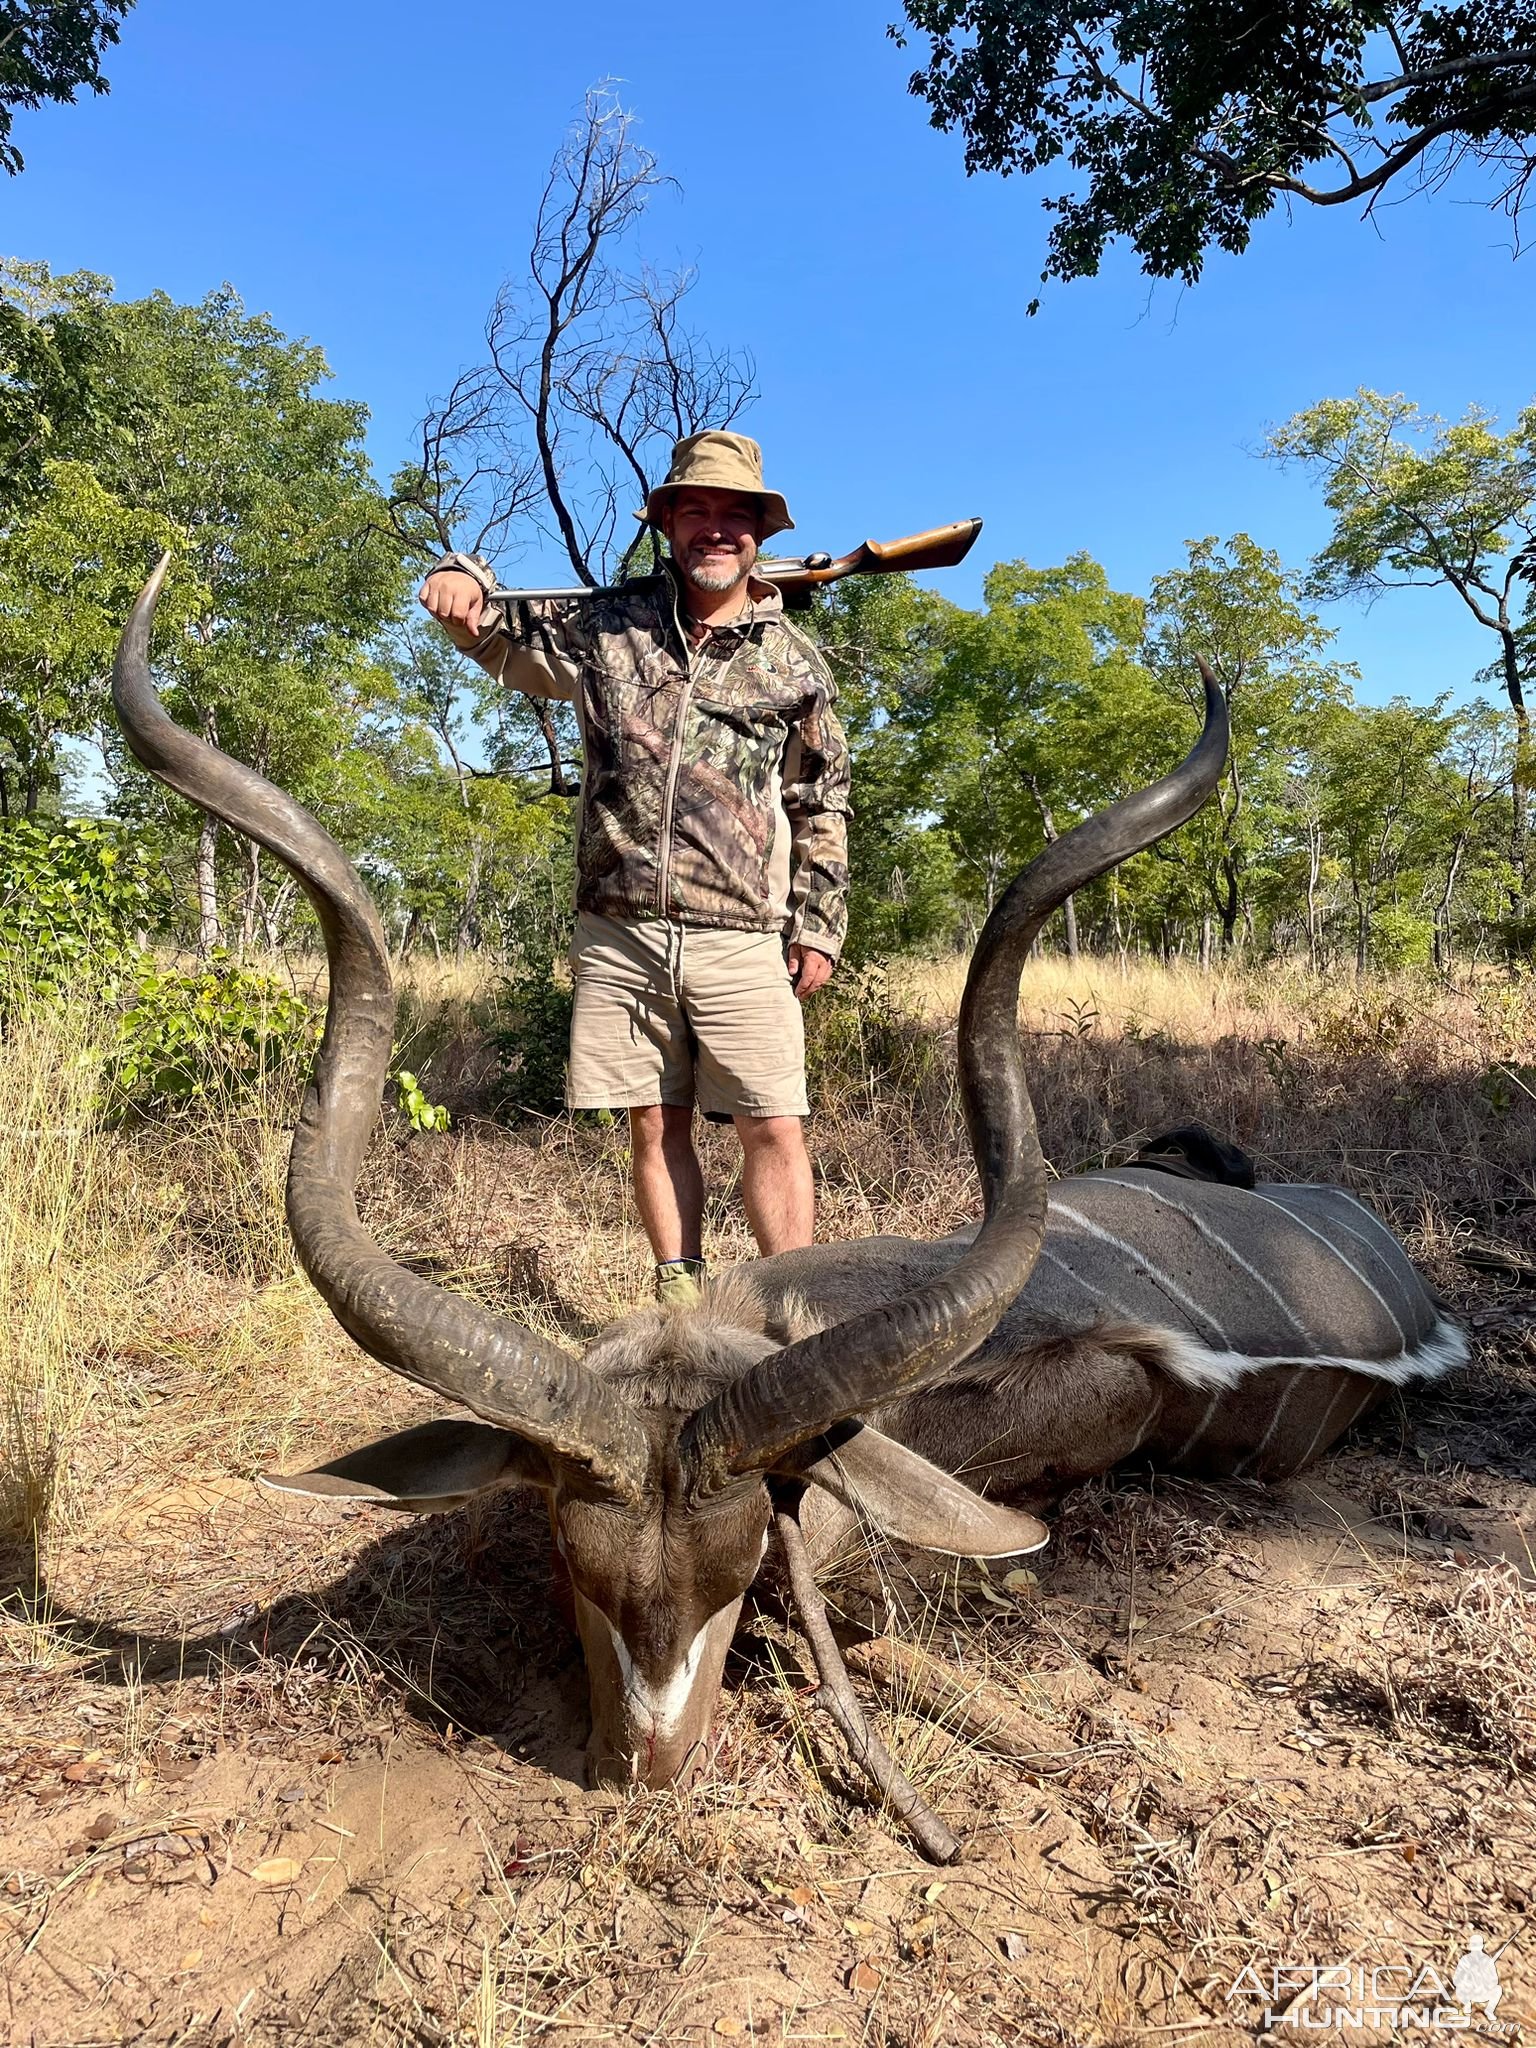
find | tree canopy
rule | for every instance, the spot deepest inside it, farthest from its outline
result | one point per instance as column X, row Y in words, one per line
column 49, row 49
column 1419, row 501
column 1179, row 124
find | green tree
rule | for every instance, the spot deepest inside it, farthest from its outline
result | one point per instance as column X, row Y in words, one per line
column 1234, row 605
column 883, row 638
column 1418, row 502
column 1037, row 706
column 49, row 49
column 1385, row 801
column 55, row 339
column 70, row 567
column 223, row 433
column 1185, row 121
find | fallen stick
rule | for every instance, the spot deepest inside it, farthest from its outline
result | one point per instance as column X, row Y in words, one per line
column 974, row 1707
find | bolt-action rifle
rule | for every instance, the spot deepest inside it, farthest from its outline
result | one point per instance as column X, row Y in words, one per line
column 796, row 577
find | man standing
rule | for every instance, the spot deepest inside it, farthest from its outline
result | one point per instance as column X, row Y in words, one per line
column 712, row 842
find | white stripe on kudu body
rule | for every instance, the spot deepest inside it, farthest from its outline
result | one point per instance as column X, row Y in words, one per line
column 1223, row 1245
column 1194, row 1309
column 1328, row 1242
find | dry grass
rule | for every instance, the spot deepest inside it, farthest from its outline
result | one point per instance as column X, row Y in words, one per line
column 1293, row 1725
column 74, row 1247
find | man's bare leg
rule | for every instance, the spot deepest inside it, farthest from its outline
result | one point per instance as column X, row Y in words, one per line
column 776, row 1182
column 668, row 1180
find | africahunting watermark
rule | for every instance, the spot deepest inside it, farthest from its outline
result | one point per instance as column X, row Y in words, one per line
column 1345, row 1998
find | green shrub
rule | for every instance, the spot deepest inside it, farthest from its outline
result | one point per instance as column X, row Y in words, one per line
column 531, row 1034
column 1399, row 938
column 75, row 899
column 215, row 1029
column 860, row 1037
column 412, row 1103
column 530, row 1028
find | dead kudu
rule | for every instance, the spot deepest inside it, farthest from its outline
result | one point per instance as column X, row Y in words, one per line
column 1211, row 1328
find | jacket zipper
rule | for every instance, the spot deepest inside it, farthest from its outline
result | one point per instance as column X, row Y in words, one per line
column 675, row 754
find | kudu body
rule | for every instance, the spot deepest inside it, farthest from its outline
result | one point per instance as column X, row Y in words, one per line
column 1212, row 1328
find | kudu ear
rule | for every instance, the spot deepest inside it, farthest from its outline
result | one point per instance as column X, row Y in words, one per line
column 427, row 1470
column 919, row 1503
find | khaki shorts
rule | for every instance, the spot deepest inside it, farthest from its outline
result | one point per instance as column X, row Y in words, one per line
column 678, row 1014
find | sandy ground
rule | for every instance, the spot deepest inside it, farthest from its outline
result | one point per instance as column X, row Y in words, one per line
column 279, row 1773
column 299, row 1774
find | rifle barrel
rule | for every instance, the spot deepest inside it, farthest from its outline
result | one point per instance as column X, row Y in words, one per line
column 940, row 548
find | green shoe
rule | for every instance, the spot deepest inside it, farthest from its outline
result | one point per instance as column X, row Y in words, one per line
column 679, row 1283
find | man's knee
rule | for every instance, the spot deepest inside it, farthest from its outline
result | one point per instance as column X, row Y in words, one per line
column 657, row 1126
column 782, row 1134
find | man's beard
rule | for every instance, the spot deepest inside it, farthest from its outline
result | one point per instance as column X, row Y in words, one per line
column 717, row 581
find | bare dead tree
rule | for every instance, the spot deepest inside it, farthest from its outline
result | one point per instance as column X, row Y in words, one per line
column 592, row 374
column 470, row 482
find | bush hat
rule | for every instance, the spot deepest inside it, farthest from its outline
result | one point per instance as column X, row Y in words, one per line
column 717, row 461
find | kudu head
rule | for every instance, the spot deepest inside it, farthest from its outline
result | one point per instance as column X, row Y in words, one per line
column 664, row 1450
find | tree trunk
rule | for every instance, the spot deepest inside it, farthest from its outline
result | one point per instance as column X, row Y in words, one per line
column 1444, row 940
column 1314, row 870
column 468, row 929
column 1524, row 765
column 544, row 718
column 250, row 909
column 1205, row 943
column 1231, row 903
column 274, row 914
column 209, row 933
column 1048, row 827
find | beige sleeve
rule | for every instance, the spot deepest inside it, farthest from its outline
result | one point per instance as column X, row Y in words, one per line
column 523, row 646
column 529, row 656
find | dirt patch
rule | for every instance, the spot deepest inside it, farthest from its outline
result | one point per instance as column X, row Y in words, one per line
column 346, row 1806
column 291, row 1774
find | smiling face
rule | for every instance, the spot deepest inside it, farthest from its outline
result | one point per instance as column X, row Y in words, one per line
column 713, row 536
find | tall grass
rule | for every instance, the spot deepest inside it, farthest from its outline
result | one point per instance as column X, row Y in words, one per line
column 156, row 1248
column 63, row 1239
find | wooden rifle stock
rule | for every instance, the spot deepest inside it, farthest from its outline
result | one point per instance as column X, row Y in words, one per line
column 941, row 547
column 798, row 577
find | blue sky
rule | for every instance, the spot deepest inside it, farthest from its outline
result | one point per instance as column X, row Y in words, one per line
column 367, row 173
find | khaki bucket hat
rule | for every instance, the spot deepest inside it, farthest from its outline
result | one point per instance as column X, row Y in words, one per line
column 717, row 461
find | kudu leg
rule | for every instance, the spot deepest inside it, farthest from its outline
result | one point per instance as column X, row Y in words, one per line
column 868, row 1751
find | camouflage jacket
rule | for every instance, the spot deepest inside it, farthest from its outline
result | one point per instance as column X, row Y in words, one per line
column 715, row 784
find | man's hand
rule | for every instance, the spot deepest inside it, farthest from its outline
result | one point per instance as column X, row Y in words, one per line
column 455, row 601
column 808, row 970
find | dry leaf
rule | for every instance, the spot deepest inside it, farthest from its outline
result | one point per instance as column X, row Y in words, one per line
column 984, row 1588
column 191, row 1959
column 726, row 2025
column 802, row 1895
column 932, row 1893
column 864, row 1977
column 1014, row 1947
column 917, row 1940
column 859, row 1929
column 1019, row 1580
column 277, row 1870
